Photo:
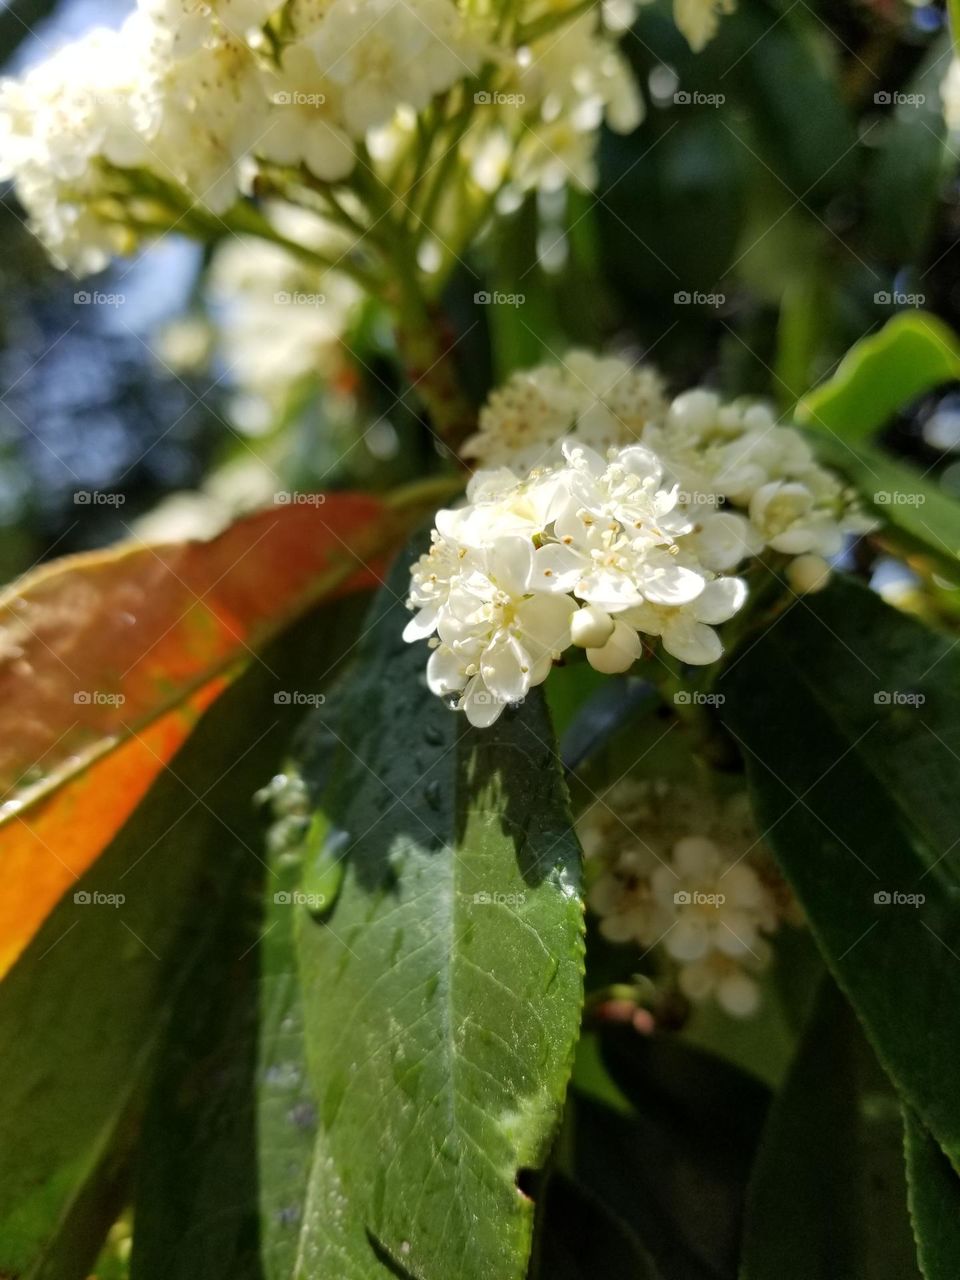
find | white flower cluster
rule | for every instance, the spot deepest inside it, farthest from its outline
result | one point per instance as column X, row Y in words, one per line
column 744, row 482
column 592, row 552
column 204, row 95
column 676, row 870
column 600, row 400
column 278, row 319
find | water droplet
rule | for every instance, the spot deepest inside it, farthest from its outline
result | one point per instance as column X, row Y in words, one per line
column 433, row 735
column 283, row 1075
column 433, row 794
column 303, row 1115
column 324, row 863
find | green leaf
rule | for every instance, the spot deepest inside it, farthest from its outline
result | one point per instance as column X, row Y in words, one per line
column 934, row 1196
column 579, row 1239
column 906, row 165
column 827, row 1195
column 808, row 136
column 917, row 509
column 848, row 716
column 227, row 1139
column 913, row 353
column 676, row 1169
column 442, row 993
column 680, row 1208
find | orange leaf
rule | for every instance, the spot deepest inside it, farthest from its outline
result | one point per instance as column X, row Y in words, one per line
column 107, row 659
column 48, row 848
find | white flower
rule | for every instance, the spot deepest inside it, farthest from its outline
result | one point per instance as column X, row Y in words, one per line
column 388, row 53
column 719, row 905
column 207, row 110
column 304, row 125
column 724, row 539
column 786, row 516
column 750, row 483
column 496, row 640
column 83, row 105
column 628, row 907
column 684, row 873
column 687, row 630
column 601, row 401
column 279, row 320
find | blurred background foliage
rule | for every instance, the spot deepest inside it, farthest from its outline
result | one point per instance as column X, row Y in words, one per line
column 787, row 192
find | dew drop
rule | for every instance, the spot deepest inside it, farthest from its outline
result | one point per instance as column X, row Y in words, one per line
column 303, row 1115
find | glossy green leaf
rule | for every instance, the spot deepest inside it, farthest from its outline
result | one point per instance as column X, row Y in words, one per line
column 580, row 1238
column 911, row 354
column 934, row 1195
column 902, row 496
column 827, row 1195
column 442, row 992
column 228, row 1136
column 858, row 800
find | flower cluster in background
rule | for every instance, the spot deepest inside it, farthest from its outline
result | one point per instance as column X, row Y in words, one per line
column 170, row 120
column 679, row 872
column 279, row 319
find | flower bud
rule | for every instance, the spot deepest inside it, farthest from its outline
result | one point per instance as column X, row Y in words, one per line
column 619, row 653
column 591, row 627
column 808, row 573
